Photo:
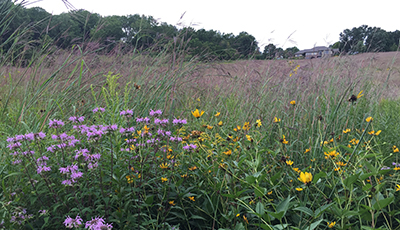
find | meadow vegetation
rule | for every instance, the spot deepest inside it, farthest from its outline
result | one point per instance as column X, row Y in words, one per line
column 133, row 140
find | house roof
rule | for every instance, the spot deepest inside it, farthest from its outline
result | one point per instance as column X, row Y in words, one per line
column 315, row 49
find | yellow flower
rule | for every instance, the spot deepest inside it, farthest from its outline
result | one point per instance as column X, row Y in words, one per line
column 293, row 102
column 246, row 126
column 299, row 189
column 197, row 114
column 360, row 94
column 346, row 131
column 164, row 165
column 129, row 179
column 283, row 140
column 368, row 119
column 307, row 150
column 228, row 152
column 305, row 177
column 220, row 123
column 193, row 168
column 269, row 193
column 377, row 133
column 184, row 175
column 217, row 114
column 209, row 127
column 276, row 120
column 396, row 168
column 245, row 219
column 249, row 138
column 297, row 170
column 341, row 163
column 331, row 224
column 237, row 128
column 331, row 154
column 237, row 215
column 289, row 162
column 258, row 123
column 191, row 198
column 164, row 179
column 252, row 202
column 172, row 203
column 398, row 187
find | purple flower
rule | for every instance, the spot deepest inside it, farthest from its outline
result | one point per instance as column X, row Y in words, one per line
column 51, row 148
column 95, row 110
column 56, row 124
column 179, row 121
column 70, row 223
column 97, row 224
column 385, row 168
column 139, row 120
column 29, row 137
column 155, row 113
column 189, row 147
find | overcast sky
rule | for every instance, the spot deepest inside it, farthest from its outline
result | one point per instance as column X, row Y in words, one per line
column 285, row 23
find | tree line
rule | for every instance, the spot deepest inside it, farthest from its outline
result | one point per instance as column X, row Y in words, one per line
column 145, row 33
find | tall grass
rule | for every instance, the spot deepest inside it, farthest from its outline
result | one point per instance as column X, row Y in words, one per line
column 240, row 176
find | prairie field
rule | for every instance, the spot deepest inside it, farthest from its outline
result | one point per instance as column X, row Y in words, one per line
column 136, row 140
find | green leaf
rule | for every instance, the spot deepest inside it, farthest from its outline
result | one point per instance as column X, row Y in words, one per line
column 196, row 217
column 350, row 180
column 260, row 208
column 260, row 192
column 305, row 210
column 366, row 175
column 149, row 200
column 315, row 224
column 264, row 226
column 370, row 167
column 250, row 179
column 320, row 210
column 284, row 205
column 318, row 176
column 382, row 203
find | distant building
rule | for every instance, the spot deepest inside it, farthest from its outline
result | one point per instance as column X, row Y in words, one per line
column 316, row 52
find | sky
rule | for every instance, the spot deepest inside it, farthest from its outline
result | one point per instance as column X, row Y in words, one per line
column 284, row 23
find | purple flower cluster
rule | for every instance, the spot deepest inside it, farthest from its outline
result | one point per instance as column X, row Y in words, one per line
column 98, row 109
column 176, row 139
column 77, row 119
column 396, row 164
column 92, row 159
column 98, row 224
column 160, row 122
column 155, row 113
column 161, row 132
column 56, row 124
column 385, row 168
column 179, row 121
column 127, row 130
column 189, row 147
column 42, row 165
column 66, row 141
column 141, row 119
column 15, row 142
column 127, row 113
column 72, row 171
column 70, row 223
column 19, row 217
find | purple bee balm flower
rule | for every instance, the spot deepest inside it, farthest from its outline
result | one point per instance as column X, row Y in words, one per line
column 122, row 113
column 29, row 136
column 66, row 182
column 139, row 119
column 168, row 133
column 385, row 168
column 146, row 119
column 56, row 124
column 95, row 110
column 186, row 147
column 76, row 175
column 81, row 119
column 41, row 135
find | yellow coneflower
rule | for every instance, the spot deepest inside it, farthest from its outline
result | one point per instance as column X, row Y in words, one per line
column 269, row 193
column 248, row 137
column 299, row 189
column 220, row 123
column 305, row 177
column 283, row 140
column 197, row 113
column 331, row 224
column 276, row 120
column 346, row 131
column 172, row 203
column 164, row 179
column 307, row 150
column 293, row 102
column 369, row 119
column 245, row 219
column 395, row 149
column 217, row 114
column 191, row 198
column 164, row 165
column 246, row 126
column 129, row 179
column 193, row 168
column 398, row 187
column 228, row 152
column 209, row 127
column 289, row 162
column 258, row 123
